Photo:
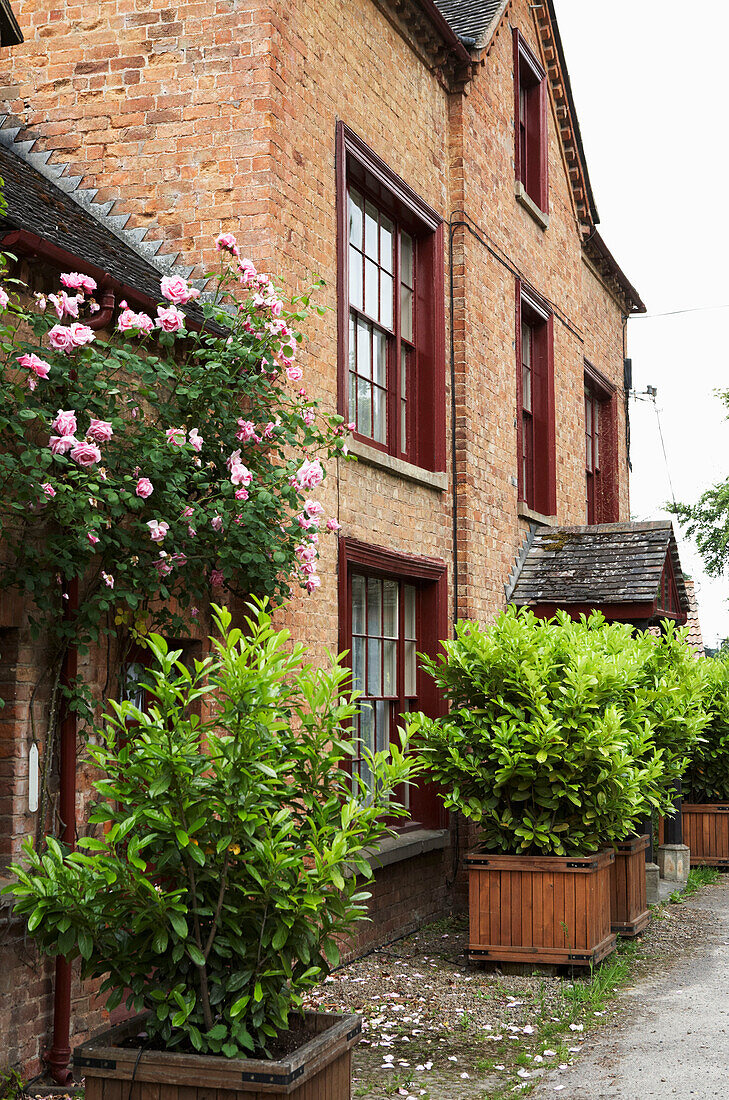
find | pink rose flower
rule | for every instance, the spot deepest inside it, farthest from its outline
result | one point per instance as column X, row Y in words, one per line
column 100, row 431
column 65, row 422
column 312, row 583
column 48, row 489
column 176, row 436
column 309, row 417
column 64, row 303
column 86, row 454
column 194, row 611
column 305, row 553
column 216, row 577
column 195, row 440
column 313, row 508
column 4, row 298
column 59, row 337
column 176, row 290
column 157, row 529
column 144, row 488
column 126, row 320
column 333, row 525
column 60, row 444
column 308, row 567
column 246, row 431
column 226, row 242
column 247, row 271
column 170, row 319
column 294, row 374
column 242, row 494
column 217, row 523
column 162, row 565
column 310, row 474
column 145, row 324
column 234, row 460
column 192, row 531
column 305, row 523
column 108, row 579
column 74, row 280
column 276, row 306
column 93, row 539
column 240, row 474
column 81, row 334
column 34, row 363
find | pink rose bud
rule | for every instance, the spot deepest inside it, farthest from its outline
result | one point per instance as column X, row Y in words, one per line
column 4, row 298
column 48, row 489
column 333, row 525
column 241, row 494
column 108, row 579
column 217, row 523
column 226, row 242
column 93, row 539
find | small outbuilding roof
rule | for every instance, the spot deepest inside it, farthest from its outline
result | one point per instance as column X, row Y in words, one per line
column 469, row 18
column 628, row 570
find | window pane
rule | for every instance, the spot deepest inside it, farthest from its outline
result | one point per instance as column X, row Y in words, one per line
column 406, row 313
column 526, row 389
column 379, row 350
column 374, row 666
column 389, row 668
column 371, row 230
column 371, row 289
column 130, row 684
column 374, row 605
column 364, row 365
column 364, row 406
column 382, row 712
column 387, row 230
column 409, row 593
column 358, row 656
column 366, row 727
column 526, row 344
column 379, row 415
column 389, row 609
column 358, row 605
column 403, row 426
column 355, row 278
column 410, row 669
column 386, row 303
column 353, row 398
column 352, row 346
column 356, row 204
column 406, row 259
column 403, row 372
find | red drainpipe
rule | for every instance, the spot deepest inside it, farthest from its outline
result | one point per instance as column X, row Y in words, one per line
column 106, row 312
column 59, row 1056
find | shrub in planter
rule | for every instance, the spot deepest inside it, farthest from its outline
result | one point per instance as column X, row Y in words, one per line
column 705, row 808
column 220, row 878
column 547, row 750
column 539, row 747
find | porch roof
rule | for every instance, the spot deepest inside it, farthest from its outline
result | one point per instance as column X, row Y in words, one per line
column 616, row 567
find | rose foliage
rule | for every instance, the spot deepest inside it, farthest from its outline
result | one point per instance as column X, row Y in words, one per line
column 224, row 878
column 553, row 744
column 153, row 467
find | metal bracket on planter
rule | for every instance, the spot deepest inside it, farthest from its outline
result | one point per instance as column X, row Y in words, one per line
column 355, row 1031
column 273, row 1078
column 83, row 1062
column 591, row 866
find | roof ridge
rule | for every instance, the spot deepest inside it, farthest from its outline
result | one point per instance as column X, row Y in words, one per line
column 15, row 136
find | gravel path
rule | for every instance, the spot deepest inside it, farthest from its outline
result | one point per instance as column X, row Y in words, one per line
column 675, row 1040
column 435, row 1029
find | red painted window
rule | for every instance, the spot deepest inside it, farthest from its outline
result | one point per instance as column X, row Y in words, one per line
column 530, row 110
column 535, row 397
column 668, row 602
column 392, row 607
column 601, row 471
column 391, row 310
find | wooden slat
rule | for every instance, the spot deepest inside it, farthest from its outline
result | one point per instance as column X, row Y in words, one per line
column 494, row 904
column 548, row 936
column 111, row 1090
column 527, row 909
column 474, row 904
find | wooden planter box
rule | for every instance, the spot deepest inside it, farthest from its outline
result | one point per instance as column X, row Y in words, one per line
column 629, row 913
column 706, row 832
column 539, row 909
column 321, row 1068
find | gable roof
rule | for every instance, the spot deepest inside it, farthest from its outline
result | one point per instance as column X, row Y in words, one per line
column 470, row 18
column 608, row 565
column 46, row 204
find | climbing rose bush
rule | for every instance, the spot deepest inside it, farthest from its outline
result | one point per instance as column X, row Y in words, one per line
column 155, row 467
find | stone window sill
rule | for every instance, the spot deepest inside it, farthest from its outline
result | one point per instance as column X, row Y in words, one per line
column 530, row 206
column 395, row 849
column 371, row 456
column 536, row 517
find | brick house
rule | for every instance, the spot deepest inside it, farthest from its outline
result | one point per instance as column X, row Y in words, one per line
column 424, row 158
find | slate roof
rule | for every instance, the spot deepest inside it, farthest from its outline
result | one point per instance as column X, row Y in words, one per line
column 604, row 564
column 469, row 18
column 43, row 200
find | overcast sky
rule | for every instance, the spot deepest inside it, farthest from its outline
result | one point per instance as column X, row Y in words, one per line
column 649, row 82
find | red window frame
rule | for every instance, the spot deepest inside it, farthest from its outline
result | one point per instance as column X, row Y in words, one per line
column 602, row 503
column 668, row 604
column 530, row 124
column 429, row 577
column 422, row 385
column 536, row 452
